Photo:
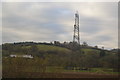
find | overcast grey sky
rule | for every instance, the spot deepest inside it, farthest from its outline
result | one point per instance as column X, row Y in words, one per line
column 50, row 21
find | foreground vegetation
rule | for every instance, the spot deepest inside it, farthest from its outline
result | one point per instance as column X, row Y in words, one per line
column 21, row 67
column 56, row 58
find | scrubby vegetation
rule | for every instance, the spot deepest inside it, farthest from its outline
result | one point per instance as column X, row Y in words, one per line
column 57, row 58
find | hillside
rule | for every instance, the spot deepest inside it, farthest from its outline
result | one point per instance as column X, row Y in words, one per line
column 17, row 49
column 56, row 58
column 29, row 48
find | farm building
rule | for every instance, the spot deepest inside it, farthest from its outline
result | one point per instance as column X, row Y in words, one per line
column 24, row 56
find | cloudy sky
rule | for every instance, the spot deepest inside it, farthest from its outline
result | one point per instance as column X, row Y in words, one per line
column 50, row 21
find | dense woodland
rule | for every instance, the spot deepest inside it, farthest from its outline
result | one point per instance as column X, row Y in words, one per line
column 66, row 55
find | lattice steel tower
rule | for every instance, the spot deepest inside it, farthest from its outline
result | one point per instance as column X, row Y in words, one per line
column 76, row 37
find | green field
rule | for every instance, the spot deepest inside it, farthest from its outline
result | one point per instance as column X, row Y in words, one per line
column 51, row 48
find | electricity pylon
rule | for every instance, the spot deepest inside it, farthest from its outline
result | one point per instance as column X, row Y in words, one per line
column 76, row 37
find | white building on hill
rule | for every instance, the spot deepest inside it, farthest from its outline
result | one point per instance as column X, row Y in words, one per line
column 24, row 56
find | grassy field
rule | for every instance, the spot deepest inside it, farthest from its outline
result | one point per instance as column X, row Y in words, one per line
column 58, row 72
column 51, row 48
column 46, row 47
column 88, row 51
column 92, row 70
